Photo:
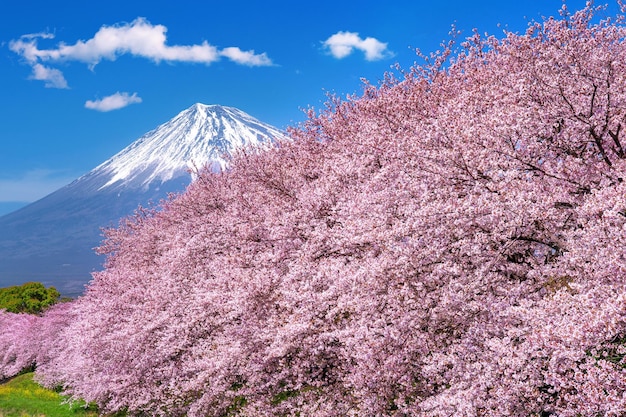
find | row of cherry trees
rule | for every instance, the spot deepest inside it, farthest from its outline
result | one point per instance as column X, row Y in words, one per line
column 26, row 339
column 450, row 243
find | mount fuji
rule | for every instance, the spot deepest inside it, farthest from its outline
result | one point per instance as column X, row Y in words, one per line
column 52, row 239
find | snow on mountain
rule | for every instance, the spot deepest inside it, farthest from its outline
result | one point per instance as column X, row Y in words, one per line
column 202, row 134
column 52, row 239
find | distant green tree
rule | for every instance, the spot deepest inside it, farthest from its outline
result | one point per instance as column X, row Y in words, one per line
column 31, row 297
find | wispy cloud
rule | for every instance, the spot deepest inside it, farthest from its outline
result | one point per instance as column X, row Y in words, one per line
column 139, row 38
column 246, row 57
column 53, row 77
column 342, row 44
column 113, row 102
column 32, row 185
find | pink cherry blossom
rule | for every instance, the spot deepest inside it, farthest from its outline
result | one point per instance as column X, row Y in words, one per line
column 449, row 243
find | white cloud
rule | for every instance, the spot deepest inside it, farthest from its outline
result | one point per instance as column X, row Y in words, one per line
column 341, row 44
column 53, row 77
column 26, row 46
column 113, row 102
column 43, row 35
column 246, row 57
column 139, row 38
column 32, row 185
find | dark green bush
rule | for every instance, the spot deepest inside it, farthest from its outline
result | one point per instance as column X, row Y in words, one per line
column 31, row 297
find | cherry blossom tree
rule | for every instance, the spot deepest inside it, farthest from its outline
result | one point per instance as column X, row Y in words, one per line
column 449, row 243
column 46, row 343
column 16, row 343
column 29, row 340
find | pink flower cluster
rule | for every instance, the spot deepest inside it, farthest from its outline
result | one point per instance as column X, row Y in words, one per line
column 27, row 339
column 16, row 343
column 450, row 243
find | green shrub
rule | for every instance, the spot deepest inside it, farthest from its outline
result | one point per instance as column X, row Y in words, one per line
column 31, row 297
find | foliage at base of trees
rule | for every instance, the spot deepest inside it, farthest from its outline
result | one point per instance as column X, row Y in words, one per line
column 450, row 243
column 31, row 298
column 22, row 397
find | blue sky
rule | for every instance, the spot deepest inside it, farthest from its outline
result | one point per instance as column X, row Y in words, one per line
column 81, row 80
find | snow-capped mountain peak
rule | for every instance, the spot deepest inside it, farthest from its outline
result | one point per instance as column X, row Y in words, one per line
column 198, row 136
column 52, row 238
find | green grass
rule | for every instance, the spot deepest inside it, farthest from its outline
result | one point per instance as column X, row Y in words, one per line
column 22, row 397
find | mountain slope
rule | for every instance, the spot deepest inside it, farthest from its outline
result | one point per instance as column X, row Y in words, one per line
column 52, row 240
